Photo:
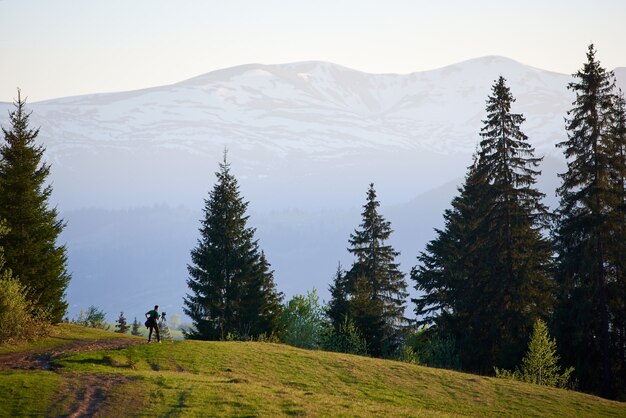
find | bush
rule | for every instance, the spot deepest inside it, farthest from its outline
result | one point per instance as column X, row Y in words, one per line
column 93, row 318
column 442, row 352
column 407, row 354
column 19, row 318
column 346, row 339
column 265, row 338
column 301, row 322
column 434, row 349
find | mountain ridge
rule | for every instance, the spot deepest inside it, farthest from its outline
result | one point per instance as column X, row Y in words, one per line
column 277, row 103
column 257, row 64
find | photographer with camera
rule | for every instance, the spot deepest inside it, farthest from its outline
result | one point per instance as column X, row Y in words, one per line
column 152, row 318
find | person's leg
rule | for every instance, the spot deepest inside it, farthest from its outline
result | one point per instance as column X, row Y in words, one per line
column 156, row 330
column 149, row 333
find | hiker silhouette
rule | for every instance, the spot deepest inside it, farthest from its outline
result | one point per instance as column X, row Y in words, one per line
column 152, row 318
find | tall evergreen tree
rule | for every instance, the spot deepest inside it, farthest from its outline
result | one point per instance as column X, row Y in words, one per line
column 30, row 246
column 517, row 285
column 233, row 290
column 587, row 228
column 446, row 270
column 486, row 276
column 376, row 286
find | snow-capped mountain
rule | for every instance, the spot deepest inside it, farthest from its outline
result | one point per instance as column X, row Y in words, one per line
column 304, row 140
column 313, row 107
column 299, row 126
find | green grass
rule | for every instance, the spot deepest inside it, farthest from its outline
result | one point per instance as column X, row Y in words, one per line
column 175, row 333
column 192, row 378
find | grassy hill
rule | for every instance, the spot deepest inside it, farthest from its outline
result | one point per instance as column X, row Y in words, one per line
column 63, row 375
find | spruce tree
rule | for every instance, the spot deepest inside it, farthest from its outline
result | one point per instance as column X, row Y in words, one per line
column 377, row 286
column 31, row 249
column 517, row 286
column 120, row 325
column 588, row 227
column 164, row 330
column 486, row 276
column 444, row 275
column 232, row 287
column 540, row 364
column 338, row 307
column 135, row 328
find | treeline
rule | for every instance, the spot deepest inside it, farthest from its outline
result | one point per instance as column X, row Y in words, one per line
column 502, row 264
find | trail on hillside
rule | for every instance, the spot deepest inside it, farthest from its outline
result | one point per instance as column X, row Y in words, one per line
column 89, row 392
column 86, row 391
column 42, row 359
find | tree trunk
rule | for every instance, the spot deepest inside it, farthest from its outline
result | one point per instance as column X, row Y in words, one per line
column 604, row 321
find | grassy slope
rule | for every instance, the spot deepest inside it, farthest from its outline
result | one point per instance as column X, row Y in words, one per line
column 187, row 378
column 62, row 334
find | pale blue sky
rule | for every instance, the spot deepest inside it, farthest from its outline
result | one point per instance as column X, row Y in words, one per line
column 54, row 48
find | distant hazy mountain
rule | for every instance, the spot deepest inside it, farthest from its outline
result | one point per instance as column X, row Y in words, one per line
column 131, row 169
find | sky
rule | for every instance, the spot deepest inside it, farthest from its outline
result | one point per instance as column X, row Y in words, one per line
column 60, row 48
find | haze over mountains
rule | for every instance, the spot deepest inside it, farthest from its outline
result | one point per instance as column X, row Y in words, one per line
column 130, row 170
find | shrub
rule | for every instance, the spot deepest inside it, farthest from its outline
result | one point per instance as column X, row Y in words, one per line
column 265, row 338
column 346, row 339
column 407, row 354
column 441, row 351
column 435, row 349
column 19, row 318
column 93, row 318
column 301, row 322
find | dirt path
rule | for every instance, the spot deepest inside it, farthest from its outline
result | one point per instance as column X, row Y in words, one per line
column 42, row 359
column 86, row 391
column 90, row 392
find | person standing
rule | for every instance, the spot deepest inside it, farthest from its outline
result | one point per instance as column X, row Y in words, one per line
column 152, row 323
